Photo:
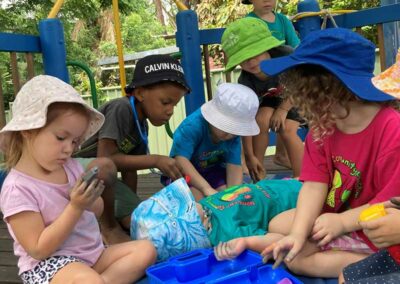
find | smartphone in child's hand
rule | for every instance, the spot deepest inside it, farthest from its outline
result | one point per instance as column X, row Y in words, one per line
column 90, row 175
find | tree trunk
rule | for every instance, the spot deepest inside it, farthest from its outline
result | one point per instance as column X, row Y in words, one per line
column 159, row 12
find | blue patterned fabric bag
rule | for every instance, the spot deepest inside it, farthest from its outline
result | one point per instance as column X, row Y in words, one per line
column 170, row 220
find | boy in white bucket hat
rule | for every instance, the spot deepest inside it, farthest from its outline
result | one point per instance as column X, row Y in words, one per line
column 207, row 143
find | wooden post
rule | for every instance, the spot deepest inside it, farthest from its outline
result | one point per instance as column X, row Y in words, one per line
column 206, row 55
column 2, row 111
column 381, row 45
column 29, row 65
column 14, row 73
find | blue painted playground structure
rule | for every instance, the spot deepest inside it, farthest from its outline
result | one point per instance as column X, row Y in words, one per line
column 192, row 43
column 190, row 40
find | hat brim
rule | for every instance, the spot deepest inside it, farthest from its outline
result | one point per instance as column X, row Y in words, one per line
column 389, row 80
column 238, row 127
column 95, row 123
column 157, row 79
column 361, row 86
column 252, row 50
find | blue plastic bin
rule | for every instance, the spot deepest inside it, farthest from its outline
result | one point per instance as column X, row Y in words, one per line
column 201, row 266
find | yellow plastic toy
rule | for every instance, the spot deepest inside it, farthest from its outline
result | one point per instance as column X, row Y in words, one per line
column 373, row 212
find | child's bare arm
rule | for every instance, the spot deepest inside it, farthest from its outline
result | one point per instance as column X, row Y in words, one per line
column 196, row 180
column 256, row 169
column 167, row 165
column 309, row 204
column 277, row 122
column 234, row 175
column 40, row 241
column 350, row 219
column 286, row 105
column 235, row 247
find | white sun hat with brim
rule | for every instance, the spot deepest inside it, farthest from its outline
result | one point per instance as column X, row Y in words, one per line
column 233, row 110
column 32, row 101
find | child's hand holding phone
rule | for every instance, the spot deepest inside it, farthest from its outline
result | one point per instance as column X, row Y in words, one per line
column 87, row 190
column 90, row 175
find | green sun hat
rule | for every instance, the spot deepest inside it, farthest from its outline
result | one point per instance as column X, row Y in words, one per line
column 246, row 38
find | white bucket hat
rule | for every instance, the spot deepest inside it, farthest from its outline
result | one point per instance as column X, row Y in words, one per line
column 32, row 101
column 233, row 110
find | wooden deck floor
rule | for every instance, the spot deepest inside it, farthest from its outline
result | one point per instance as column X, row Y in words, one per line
column 148, row 185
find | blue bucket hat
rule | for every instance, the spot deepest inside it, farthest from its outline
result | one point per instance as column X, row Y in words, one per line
column 346, row 54
column 170, row 220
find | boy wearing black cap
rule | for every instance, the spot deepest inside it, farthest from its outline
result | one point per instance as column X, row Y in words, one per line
column 157, row 86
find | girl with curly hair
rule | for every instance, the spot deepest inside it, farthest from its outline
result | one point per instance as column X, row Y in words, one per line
column 351, row 153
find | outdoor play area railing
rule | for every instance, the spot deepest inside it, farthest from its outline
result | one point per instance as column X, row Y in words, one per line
column 49, row 43
column 193, row 42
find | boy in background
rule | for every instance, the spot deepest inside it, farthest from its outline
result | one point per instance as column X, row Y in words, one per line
column 207, row 144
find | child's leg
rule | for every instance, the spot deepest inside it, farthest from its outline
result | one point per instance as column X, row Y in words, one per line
column 110, row 229
column 315, row 263
column 260, row 142
column 125, row 262
column 293, row 144
column 76, row 272
column 282, row 223
column 281, row 156
column 341, row 279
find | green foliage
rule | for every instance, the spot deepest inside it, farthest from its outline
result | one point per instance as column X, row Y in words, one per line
column 87, row 22
column 82, row 31
column 140, row 32
column 219, row 13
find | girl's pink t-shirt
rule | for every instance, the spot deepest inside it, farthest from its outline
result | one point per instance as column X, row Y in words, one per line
column 361, row 168
column 21, row 192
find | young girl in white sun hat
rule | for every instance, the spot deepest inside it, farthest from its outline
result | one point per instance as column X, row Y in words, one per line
column 49, row 209
column 207, row 143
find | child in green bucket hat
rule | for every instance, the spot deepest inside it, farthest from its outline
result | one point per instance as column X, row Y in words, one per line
column 247, row 42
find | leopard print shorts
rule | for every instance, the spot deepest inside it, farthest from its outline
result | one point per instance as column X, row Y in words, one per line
column 45, row 270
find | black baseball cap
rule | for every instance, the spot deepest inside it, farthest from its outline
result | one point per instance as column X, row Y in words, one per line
column 157, row 68
column 246, row 2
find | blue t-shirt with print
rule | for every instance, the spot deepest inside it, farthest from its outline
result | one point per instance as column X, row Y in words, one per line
column 192, row 140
